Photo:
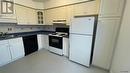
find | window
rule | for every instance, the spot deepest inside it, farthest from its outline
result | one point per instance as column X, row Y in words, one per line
column 7, row 7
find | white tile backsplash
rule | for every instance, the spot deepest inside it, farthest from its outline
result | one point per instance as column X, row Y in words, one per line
column 15, row 28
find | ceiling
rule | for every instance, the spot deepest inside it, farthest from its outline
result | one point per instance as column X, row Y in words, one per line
column 40, row 0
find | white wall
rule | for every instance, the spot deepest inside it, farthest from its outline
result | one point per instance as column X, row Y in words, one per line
column 55, row 3
column 31, row 3
column 121, row 60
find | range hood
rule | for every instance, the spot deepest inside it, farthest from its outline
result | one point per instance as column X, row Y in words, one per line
column 59, row 22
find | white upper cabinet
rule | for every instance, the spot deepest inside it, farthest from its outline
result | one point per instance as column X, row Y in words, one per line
column 88, row 8
column 55, row 14
column 111, row 8
column 16, row 48
column 60, row 13
column 40, row 17
column 69, row 12
column 26, row 16
column 5, row 56
column 48, row 17
column 32, row 16
column 21, row 13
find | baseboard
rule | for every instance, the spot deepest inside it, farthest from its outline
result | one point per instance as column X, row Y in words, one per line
column 100, row 68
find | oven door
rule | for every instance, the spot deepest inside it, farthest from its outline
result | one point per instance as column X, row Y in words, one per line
column 55, row 41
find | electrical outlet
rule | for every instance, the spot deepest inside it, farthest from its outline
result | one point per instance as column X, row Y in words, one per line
column 10, row 29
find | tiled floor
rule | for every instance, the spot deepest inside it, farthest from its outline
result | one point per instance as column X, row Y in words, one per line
column 46, row 62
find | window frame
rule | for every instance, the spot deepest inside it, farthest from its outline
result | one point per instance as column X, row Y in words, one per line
column 2, row 7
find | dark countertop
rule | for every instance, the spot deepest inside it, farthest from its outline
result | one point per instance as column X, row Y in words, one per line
column 22, row 34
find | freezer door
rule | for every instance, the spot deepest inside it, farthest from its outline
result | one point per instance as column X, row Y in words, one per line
column 80, row 49
column 82, row 25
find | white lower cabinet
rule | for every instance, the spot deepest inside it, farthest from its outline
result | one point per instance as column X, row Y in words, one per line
column 42, row 41
column 5, row 56
column 46, row 41
column 66, row 47
column 16, row 48
column 11, row 50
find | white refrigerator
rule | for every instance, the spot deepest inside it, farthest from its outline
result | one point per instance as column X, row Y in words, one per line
column 81, row 38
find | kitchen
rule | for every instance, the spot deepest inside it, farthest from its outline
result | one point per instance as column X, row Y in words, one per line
column 43, row 31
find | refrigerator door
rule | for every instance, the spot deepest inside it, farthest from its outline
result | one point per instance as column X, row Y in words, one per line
column 82, row 25
column 80, row 49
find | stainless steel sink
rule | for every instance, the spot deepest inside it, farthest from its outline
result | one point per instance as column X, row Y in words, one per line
column 5, row 35
column 2, row 34
column 8, row 36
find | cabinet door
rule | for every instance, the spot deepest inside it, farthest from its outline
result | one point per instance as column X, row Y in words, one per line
column 5, row 56
column 40, row 17
column 70, row 13
column 26, row 16
column 60, row 13
column 42, row 42
column 21, row 13
column 48, row 17
column 88, row 8
column 17, row 48
column 107, row 30
column 111, row 8
column 32, row 16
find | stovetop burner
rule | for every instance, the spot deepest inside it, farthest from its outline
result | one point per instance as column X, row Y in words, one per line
column 59, row 34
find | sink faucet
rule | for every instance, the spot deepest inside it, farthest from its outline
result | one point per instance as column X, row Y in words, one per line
column 3, row 33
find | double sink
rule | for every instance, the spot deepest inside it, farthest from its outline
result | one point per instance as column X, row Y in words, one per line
column 6, row 35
